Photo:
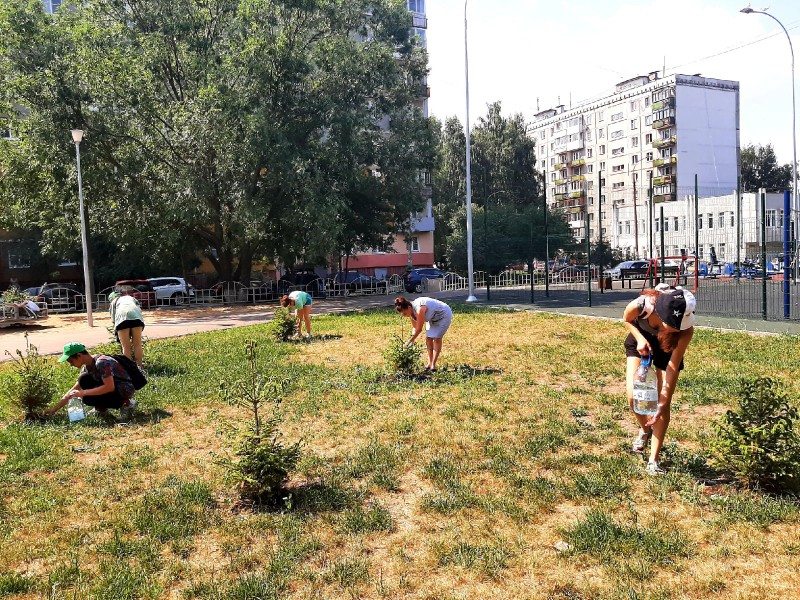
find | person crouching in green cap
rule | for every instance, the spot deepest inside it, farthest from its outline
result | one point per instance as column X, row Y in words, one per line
column 102, row 383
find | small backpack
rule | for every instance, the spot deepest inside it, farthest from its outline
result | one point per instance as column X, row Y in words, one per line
column 138, row 378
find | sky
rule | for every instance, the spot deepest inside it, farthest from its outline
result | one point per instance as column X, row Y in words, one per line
column 535, row 54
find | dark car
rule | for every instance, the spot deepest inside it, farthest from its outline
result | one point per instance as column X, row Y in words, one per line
column 61, row 297
column 306, row 280
column 413, row 280
column 355, row 281
column 141, row 289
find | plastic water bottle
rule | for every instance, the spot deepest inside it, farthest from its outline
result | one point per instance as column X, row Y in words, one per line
column 645, row 389
column 75, row 409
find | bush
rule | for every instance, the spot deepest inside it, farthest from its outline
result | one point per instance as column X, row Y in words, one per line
column 758, row 443
column 262, row 462
column 14, row 295
column 283, row 325
column 28, row 385
column 402, row 359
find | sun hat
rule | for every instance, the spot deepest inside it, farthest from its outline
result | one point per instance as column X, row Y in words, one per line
column 71, row 349
column 676, row 307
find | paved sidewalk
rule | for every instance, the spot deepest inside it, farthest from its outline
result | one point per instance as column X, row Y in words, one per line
column 51, row 335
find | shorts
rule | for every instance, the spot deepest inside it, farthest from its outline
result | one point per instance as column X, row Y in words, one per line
column 129, row 324
column 437, row 329
column 660, row 358
column 103, row 401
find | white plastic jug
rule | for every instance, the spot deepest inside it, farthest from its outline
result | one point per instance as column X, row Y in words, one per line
column 75, row 409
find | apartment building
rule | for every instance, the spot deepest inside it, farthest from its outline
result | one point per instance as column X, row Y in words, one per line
column 416, row 248
column 651, row 137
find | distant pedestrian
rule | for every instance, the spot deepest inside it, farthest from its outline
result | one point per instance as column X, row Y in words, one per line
column 660, row 323
column 103, row 383
column 434, row 315
column 126, row 316
column 301, row 303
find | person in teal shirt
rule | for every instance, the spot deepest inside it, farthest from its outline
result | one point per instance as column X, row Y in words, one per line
column 301, row 303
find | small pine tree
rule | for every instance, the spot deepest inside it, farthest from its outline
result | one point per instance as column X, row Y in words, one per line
column 283, row 325
column 28, row 384
column 262, row 462
column 402, row 359
column 758, row 443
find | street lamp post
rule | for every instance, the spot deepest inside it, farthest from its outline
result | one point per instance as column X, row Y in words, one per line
column 77, row 136
column 795, row 204
column 470, row 274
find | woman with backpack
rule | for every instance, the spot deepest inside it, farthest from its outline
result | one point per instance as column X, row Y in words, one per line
column 126, row 315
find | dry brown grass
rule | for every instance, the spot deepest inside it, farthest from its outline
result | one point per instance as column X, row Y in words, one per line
column 558, row 385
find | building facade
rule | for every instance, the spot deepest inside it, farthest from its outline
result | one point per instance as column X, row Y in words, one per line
column 416, row 248
column 652, row 136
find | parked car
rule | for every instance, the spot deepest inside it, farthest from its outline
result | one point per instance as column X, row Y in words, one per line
column 141, row 289
column 413, row 279
column 172, row 290
column 60, row 296
column 355, row 281
column 307, row 280
column 614, row 272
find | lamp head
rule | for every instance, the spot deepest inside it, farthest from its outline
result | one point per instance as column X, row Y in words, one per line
column 746, row 10
column 77, row 135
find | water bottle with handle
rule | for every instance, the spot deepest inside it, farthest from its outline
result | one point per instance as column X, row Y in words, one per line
column 645, row 388
column 75, row 409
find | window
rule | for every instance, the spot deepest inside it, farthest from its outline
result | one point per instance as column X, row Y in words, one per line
column 51, row 6
column 772, row 218
column 721, row 254
column 602, row 149
column 541, row 149
column 666, row 223
column 618, row 185
column 616, row 117
column 710, row 221
column 588, row 135
column 617, row 168
column 733, row 220
column 648, row 156
column 627, row 227
column 602, row 198
column 675, row 223
column 648, row 138
column 415, row 244
column 635, row 141
column 600, row 115
column 416, row 6
column 619, row 228
column 657, row 225
column 618, row 151
column 601, row 133
column 683, row 223
column 20, row 253
column 602, row 216
column 700, row 223
column 634, row 124
column 544, row 165
column 602, row 181
column 648, row 120
column 634, row 159
column 590, row 169
column 634, row 105
column 647, row 100
column 616, row 134
column 542, row 134
column 721, row 219
column 589, row 153
column 602, row 166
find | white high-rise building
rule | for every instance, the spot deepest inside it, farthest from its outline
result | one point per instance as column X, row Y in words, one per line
column 602, row 157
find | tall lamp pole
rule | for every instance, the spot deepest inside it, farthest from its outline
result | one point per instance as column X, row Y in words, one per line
column 795, row 204
column 77, row 136
column 470, row 273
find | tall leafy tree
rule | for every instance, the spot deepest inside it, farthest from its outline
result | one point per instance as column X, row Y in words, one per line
column 241, row 128
column 760, row 169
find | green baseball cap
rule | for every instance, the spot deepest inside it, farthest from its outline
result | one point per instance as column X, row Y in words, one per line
column 71, row 349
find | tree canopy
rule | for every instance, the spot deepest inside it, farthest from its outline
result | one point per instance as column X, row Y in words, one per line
column 760, row 169
column 242, row 129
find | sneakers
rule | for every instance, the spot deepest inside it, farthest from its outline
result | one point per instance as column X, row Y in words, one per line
column 126, row 412
column 307, row 337
column 97, row 413
column 653, row 468
column 641, row 440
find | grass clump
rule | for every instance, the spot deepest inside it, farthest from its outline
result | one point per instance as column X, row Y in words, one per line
column 263, row 462
column 176, row 511
column 283, row 325
column 28, row 385
column 758, row 443
column 402, row 359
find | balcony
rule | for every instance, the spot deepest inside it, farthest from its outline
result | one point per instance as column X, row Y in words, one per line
column 423, row 224
column 570, row 203
column 577, row 194
column 578, row 163
column 665, row 122
column 666, row 103
column 560, row 166
column 665, row 143
column 660, row 162
column 664, row 197
column 426, row 191
column 663, row 180
column 561, row 181
column 578, row 178
column 420, row 22
column 560, row 197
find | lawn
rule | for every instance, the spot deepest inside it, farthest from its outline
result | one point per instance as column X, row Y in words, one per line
column 504, row 475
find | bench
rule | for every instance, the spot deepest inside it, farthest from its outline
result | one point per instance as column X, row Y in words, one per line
column 669, row 274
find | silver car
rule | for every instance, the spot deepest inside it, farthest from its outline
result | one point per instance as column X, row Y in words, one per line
column 172, row 290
